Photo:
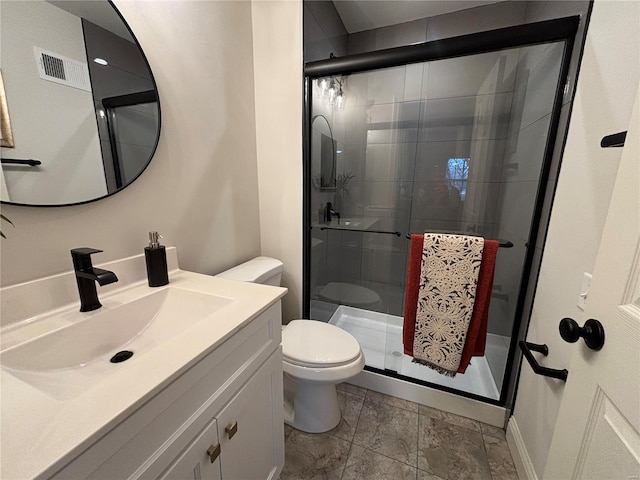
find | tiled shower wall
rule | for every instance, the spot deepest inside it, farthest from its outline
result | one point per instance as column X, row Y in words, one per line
column 462, row 22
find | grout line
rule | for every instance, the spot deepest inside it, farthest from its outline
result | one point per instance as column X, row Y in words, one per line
column 352, row 443
column 486, row 452
column 346, row 460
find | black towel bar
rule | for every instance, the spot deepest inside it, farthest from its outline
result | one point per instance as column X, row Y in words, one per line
column 527, row 347
column 361, row 230
column 503, row 243
column 14, row 161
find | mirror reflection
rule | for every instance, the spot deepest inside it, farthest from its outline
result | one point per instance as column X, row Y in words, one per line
column 81, row 99
column 324, row 155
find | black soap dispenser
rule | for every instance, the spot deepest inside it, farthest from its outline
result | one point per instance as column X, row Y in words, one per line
column 156, row 257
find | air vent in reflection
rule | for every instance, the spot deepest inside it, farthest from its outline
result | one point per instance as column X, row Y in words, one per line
column 53, row 66
column 64, row 70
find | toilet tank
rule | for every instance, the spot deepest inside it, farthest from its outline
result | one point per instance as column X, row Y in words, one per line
column 263, row 270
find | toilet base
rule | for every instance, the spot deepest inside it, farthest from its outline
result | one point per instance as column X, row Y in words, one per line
column 310, row 407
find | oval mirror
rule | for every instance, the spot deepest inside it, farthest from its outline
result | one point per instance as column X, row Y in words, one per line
column 323, row 154
column 80, row 110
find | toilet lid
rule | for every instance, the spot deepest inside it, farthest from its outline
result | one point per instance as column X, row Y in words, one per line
column 312, row 343
column 349, row 294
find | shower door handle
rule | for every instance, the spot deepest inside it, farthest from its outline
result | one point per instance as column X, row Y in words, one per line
column 538, row 369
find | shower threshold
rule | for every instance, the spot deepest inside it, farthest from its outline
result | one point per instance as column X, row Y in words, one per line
column 380, row 337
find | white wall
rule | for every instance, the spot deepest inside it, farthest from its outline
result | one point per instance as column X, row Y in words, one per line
column 46, row 117
column 277, row 44
column 201, row 189
column 604, row 98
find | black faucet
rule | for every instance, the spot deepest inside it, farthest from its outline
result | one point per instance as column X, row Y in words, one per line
column 87, row 276
column 330, row 213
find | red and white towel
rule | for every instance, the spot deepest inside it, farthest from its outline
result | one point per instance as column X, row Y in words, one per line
column 449, row 282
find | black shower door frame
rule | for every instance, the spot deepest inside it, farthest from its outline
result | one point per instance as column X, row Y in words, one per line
column 557, row 30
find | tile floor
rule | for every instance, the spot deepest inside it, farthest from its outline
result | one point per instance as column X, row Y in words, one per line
column 386, row 438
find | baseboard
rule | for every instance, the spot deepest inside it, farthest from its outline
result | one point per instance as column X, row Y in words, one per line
column 449, row 402
column 519, row 452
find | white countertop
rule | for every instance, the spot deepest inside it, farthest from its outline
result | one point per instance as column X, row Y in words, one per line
column 46, row 423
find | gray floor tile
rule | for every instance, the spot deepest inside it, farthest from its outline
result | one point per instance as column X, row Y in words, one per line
column 393, row 401
column 492, row 431
column 451, row 418
column 365, row 464
column 388, row 430
column 430, row 412
column 350, row 407
column 382, row 437
column 500, row 461
column 451, row 451
column 352, row 389
column 314, row 457
column 422, row 475
column 287, row 431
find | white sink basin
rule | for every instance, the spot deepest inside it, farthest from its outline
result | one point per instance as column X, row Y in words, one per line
column 351, row 223
column 135, row 325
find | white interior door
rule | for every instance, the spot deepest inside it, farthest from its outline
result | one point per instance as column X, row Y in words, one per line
column 597, row 431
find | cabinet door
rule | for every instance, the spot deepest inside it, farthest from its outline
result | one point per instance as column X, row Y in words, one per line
column 200, row 460
column 251, row 426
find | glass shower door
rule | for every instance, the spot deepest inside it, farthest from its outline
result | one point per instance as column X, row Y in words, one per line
column 454, row 145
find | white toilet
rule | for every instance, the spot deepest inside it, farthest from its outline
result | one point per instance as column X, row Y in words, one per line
column 316, row 357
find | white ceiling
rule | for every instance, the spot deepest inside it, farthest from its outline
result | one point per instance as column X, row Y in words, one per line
column 359, row 15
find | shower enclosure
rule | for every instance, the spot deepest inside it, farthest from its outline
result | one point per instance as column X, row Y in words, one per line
column 448, row 136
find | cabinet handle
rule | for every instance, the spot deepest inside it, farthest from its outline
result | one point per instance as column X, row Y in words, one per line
column 231, row 429
column 214, row 452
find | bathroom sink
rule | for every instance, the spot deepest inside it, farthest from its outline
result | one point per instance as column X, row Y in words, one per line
column 351, row 223
column 137, row 325
column 356, row 223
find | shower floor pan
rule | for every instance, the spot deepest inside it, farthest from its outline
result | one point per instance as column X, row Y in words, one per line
column 380, row 337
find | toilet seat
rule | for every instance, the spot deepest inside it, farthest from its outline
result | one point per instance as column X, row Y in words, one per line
column 349, row 294
column 315, row 344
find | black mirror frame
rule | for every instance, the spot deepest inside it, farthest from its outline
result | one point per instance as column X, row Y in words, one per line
column 155, row 146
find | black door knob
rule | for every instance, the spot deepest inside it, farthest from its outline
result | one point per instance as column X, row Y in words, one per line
column 592, row 332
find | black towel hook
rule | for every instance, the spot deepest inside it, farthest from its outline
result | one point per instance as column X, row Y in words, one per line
column 614, row 140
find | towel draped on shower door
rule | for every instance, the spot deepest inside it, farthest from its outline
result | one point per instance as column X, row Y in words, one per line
column 449, row 282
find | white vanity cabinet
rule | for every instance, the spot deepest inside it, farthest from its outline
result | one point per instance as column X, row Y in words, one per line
column 238, row 443
column 201, row 458
column 220, row 419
